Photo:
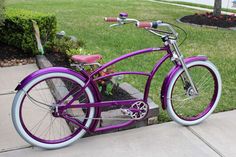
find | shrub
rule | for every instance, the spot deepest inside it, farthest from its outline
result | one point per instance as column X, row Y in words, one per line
column 77, row 51
column 18, row 30
column 63, row 45
column 2, row 11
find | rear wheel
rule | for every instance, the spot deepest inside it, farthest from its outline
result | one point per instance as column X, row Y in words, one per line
column 35, row 115
column 182, row 105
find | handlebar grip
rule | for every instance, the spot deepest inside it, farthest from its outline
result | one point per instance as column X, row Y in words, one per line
column 111, row 19
column 144, row 24
column 148, row 24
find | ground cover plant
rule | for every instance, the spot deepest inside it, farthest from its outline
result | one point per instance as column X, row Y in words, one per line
column 84, row 19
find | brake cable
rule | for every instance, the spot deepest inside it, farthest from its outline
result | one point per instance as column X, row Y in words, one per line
column 185, row 33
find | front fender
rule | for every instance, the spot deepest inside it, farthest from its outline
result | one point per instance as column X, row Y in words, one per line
column 171, row 73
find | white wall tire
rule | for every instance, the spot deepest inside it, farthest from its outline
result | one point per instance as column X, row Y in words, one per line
column 170, row 109
column 16, row 111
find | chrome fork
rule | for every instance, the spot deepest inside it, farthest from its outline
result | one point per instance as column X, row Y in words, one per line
column 179, row 57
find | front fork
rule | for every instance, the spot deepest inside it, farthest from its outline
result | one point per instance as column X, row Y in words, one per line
column 178, row 58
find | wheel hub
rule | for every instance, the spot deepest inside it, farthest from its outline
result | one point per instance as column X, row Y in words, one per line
column 55, row 112
column 190, row 91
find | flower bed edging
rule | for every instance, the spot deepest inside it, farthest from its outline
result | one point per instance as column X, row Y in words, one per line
column 212, row 27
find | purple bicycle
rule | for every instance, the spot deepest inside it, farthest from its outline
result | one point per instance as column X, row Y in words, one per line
column 56, row 106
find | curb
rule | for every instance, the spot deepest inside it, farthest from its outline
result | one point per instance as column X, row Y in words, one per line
column 150, row 119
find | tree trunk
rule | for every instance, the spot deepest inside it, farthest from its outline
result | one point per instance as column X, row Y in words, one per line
column 217, row 8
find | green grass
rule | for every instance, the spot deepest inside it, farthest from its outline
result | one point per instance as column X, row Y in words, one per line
column 84, row 19
column 198, row 5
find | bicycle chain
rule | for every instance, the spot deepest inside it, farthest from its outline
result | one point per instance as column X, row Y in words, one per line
column 108, row 118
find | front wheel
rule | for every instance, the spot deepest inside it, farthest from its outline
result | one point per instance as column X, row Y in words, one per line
column 182, row 105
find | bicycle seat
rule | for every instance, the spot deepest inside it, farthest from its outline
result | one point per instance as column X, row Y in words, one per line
column 86, row 58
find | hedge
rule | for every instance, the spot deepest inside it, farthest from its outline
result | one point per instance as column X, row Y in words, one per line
column 2, row 3
column 18, row 29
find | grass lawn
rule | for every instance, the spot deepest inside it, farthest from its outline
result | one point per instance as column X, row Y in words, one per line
column 84, row 19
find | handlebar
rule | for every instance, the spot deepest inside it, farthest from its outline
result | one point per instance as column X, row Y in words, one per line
column 111, row 19
column 146, row 25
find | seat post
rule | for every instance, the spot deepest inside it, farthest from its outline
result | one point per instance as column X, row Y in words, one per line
column 95, row 63
column 80, row 66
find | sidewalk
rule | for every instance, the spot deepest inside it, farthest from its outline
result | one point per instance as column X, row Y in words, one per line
column 9, row 78
column 214, row 137
column 228, row 4
column 187, row 6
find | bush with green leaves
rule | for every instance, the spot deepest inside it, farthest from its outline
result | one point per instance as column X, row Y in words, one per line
column 63, row 45
column 18, row 29
column 2, row 9
column 77, row 51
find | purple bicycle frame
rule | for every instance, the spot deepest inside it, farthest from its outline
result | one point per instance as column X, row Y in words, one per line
column 91, row 81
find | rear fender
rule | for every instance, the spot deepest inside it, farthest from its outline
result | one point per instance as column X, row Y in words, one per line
column 168, row 77
column 37, row 73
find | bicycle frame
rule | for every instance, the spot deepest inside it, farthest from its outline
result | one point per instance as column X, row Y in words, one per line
column 90, row 80
column 91, row 83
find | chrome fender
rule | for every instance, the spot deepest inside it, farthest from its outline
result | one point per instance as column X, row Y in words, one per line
column 171, row 73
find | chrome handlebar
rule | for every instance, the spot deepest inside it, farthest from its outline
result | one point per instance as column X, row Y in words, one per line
column 146, row 25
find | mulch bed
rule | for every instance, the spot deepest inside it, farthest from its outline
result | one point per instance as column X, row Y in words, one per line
column 11, row 56
column 223, row 21
column 58, row 59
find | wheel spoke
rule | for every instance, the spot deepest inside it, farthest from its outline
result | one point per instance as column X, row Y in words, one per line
column 200, row 80
column 39, row 123
column 204, row 83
